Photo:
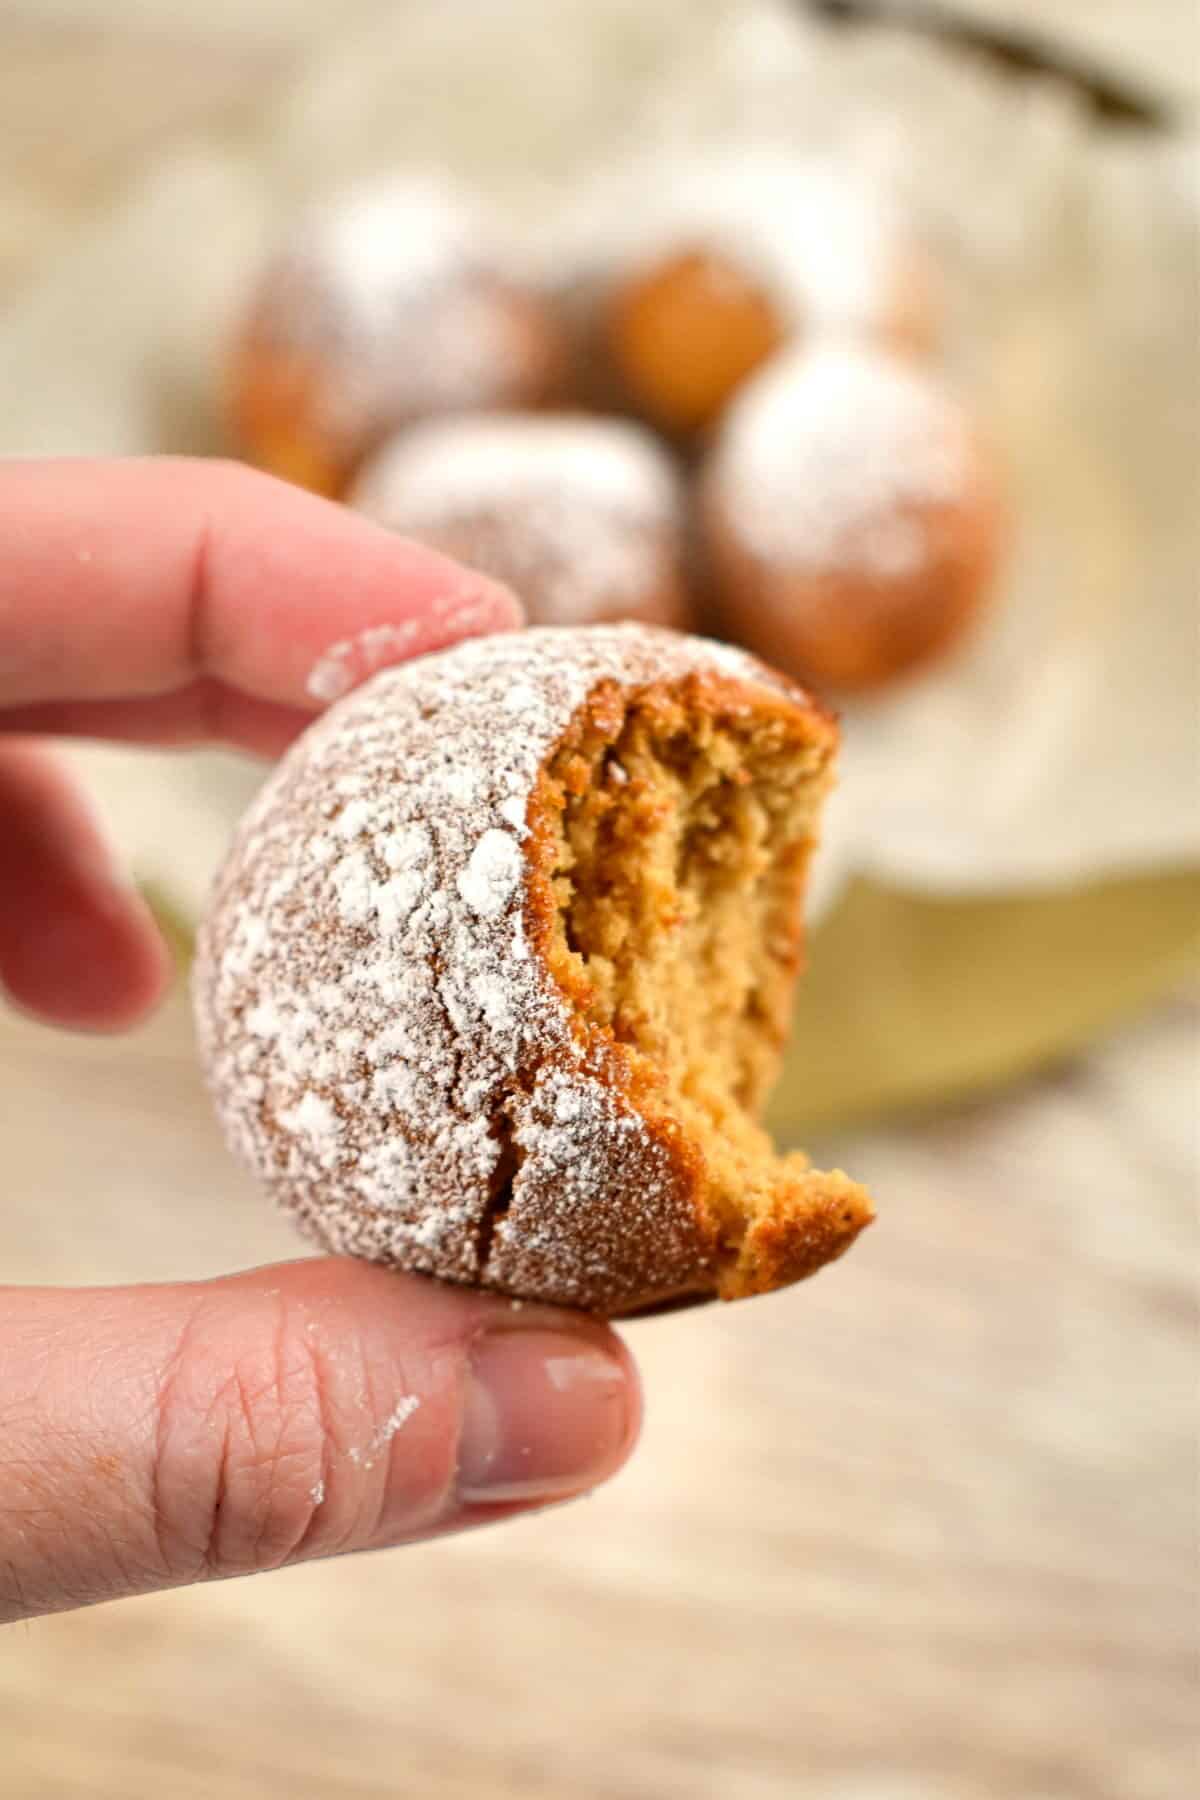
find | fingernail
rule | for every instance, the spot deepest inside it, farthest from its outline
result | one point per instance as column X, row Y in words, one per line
column 546, row 1414
column 470, row 606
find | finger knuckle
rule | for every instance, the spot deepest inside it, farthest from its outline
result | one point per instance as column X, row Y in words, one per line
column 242, row 1446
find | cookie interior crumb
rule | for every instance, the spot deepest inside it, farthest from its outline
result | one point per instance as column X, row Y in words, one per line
column 674, row 838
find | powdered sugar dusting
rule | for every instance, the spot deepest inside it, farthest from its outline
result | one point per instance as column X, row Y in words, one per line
column 401, row 1413
column 367, row 1019
column 404, row 297
column 464, row 606
column 491, row 873
column 388, row 243
column 314, row 1122
column 351, row 660
column 581, row 515
column 484, row 459
column 366, row 1455
column 828, row 452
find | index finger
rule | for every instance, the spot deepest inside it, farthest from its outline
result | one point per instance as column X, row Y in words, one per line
column 135, row 579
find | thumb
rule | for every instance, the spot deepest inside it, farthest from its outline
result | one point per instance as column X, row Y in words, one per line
column 154, row 1436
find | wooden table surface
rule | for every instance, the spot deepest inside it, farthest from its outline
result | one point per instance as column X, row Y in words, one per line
column 920, row 1530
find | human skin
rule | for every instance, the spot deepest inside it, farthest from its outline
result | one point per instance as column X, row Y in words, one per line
column 153, row 1436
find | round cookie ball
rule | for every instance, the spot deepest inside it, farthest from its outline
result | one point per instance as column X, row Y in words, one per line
column 387, row 305
column 685, row 333
column 851, row 521
column 496, row 974
column 751, row 253
column 583, row 517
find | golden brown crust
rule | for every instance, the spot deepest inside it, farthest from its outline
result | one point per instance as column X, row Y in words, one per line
column 684, row 335
column 273, row 405
column 850, row 629
column 798, row 1235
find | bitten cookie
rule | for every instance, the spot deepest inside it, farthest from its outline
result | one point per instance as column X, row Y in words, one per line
column 497, row 972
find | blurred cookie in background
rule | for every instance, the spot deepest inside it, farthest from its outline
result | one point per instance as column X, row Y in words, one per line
column 745, row 251
column 583, row 517
column 850, row 516
column 685, row 333
column 389, row 304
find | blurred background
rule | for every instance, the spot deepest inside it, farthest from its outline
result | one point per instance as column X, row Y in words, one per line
column 924, row 1528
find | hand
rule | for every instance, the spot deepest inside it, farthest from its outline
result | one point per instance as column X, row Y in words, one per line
column 152, row 1436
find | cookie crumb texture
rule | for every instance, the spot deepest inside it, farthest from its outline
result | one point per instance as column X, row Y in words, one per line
column 497, row 973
